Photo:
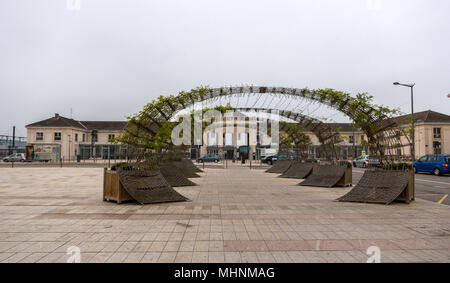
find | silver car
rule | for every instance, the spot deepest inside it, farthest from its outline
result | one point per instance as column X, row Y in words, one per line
column 365, row 161
column 16, row 157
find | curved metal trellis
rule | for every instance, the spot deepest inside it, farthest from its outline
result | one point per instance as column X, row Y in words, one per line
column 382, row 138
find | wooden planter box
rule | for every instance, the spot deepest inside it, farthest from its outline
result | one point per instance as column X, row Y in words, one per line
column 112, row 188
column 408, row 194
column 346, row 180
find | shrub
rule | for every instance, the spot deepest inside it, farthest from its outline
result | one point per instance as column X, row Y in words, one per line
column 398, row 166
column 116, row 165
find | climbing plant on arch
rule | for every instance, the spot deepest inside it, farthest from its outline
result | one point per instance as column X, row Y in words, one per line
column 150, row 128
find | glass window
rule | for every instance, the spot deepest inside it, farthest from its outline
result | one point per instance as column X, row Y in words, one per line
column 437, row 133
column 39, row 136
column 447, row 159
column 84, row 137
column 435, row 158
column 57, row 136
column 76, row 137
column 351, row 139
column 110, row 137
column 424, row 158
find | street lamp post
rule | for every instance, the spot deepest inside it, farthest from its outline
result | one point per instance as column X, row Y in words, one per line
column 411, row 86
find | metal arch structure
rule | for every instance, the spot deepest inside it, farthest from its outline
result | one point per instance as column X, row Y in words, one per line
column 325, row 133
column 321, row 130
column 380, row 139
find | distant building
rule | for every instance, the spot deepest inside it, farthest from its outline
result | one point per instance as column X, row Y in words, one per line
column 432, row 132
column 61, row 137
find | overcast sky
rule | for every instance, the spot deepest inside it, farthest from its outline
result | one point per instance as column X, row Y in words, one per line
column 106, row 60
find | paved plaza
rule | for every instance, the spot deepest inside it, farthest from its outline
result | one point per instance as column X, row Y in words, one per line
column 236, row 215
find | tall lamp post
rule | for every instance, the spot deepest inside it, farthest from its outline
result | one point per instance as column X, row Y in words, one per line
column 411, row 86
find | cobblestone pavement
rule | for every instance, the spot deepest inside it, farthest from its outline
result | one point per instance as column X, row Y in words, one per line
column 236, row 215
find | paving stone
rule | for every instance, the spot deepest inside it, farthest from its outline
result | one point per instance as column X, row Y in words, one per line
column 236, row 215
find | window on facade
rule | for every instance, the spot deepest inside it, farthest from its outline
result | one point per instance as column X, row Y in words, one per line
column 39, row 136
column 437, row 147
column 84, row 137
column 437, row 133
column 110, row 137
column 76, row 137
column 228, row 139
column 212, row 138
column 57, row 136
column 351, row 139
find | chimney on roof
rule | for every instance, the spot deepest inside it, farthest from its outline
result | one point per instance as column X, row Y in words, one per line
column 56, row 115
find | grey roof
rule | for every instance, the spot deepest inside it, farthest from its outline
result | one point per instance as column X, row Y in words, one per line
column 105, row 125
column 60, row 121
column 428, row 116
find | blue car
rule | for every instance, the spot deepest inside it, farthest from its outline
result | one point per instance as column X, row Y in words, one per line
column 433, row 163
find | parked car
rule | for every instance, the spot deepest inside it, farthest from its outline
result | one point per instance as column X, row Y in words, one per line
column 269, row 159
column 208, row 158
column 274, row 158
column 16, row 157
column 433, row 163
column 365, row 161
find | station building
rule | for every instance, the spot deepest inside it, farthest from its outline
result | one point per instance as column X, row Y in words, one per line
column 60, row 137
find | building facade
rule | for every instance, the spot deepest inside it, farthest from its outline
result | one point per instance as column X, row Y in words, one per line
column 431, row 132
column 62, row 138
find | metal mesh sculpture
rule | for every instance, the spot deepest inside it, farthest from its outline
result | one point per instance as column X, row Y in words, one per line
column 146, row 184
column 377, row 186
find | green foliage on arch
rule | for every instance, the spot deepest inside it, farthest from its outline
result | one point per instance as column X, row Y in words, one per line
column 150, row 129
